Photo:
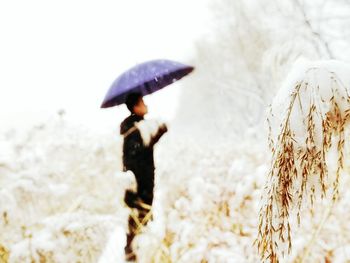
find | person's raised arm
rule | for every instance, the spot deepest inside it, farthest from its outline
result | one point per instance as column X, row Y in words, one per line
column 161, row 130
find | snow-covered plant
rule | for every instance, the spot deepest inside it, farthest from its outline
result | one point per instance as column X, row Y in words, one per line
column 306, row 122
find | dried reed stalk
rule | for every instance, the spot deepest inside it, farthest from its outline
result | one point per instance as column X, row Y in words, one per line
column 163, row 252
column 293, row 163
column 144, row 219
column 4, row 254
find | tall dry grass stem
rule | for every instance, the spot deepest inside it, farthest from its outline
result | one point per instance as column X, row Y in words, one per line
column 296, row 162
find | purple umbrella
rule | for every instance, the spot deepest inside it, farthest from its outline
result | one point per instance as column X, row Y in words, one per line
column 144, row 78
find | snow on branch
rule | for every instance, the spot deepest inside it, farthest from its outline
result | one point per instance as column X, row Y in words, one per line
column 306, row 123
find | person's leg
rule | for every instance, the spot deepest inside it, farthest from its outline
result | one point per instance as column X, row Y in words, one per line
column 130, row 199
column 145, row 187
column 142, row 202
column 145, row 193
column 135, row 225
column 129, row 254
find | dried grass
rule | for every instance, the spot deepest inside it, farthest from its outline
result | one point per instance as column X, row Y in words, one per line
column 141, row 220
column 162, row 254
column 4, row 254
column 294, row 162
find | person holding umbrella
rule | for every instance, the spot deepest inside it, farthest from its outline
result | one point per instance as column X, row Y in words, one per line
column 138, row 158
column 141, row 135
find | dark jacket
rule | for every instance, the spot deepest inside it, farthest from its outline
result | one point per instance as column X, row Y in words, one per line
column 138, row 158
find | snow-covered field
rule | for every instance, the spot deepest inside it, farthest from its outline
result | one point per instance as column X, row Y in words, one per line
column 61, row 196
column 61, row 199
column 61, row 188
column 60, row 192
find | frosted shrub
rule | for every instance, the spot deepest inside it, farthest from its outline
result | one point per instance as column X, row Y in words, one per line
column 60, row 194
column 205, row 209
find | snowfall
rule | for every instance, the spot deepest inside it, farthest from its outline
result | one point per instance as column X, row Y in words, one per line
column 62, row 190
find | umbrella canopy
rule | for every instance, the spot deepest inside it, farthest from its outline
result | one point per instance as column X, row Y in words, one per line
column 144, row 78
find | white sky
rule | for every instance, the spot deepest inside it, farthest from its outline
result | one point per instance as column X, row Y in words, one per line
column 65, row 54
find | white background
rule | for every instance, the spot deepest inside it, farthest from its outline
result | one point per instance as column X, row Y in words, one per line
column 65, row 54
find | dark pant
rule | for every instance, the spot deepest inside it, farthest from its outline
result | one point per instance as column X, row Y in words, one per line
column 141, row 201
